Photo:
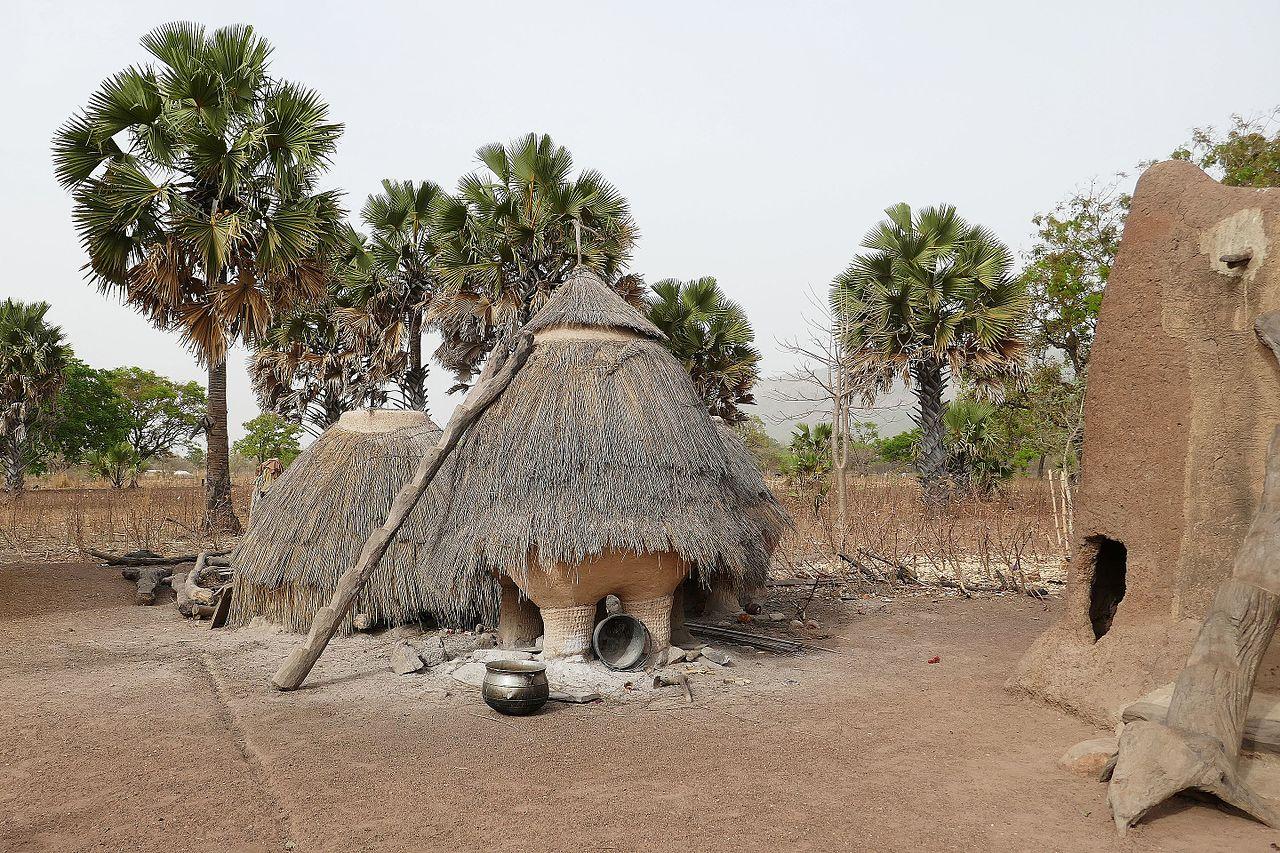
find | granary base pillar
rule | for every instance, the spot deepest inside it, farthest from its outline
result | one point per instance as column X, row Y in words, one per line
column 567, row 630
column 519, row 620
column 680, row 635
column 655, row 613
column 723, row 600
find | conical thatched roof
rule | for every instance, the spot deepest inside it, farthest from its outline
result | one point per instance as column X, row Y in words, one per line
column 585, row 302
column 599, row 444
column 313, row 521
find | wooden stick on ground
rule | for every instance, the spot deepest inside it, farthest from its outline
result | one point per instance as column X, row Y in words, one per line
column 327, row 619
column 1198, row 745
column 126, row 560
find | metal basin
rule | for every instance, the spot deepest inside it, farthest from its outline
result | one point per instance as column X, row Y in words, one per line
column 515, row 687
column 621, row 642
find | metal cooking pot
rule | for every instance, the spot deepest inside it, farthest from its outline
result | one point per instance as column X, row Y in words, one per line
column 621, row 642
column 515, row 687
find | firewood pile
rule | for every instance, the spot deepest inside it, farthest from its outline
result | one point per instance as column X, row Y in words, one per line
column 201, row 592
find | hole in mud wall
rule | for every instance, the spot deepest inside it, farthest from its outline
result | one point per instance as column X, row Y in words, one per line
column 1107, row 589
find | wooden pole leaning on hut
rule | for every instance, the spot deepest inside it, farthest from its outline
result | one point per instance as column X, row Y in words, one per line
column 327, row 619
column 1197, row 747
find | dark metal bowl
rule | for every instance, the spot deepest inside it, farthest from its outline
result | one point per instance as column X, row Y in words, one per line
column 621, row 642
column 515, row 687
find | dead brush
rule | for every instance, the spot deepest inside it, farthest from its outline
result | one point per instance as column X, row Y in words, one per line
column 997, row 542
column 160, row 517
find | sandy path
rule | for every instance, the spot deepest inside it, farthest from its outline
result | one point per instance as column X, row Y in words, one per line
column 132, row 730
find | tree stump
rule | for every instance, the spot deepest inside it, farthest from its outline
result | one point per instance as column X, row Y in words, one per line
column 1197, row 747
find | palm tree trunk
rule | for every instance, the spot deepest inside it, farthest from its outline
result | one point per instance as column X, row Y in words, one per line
column 14, row 470
column 931, row 460
column 220, row 514
column 417, row 378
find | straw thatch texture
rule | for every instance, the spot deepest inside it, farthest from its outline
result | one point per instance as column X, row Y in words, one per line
column 598, row 445
column 312, row 523
column 579, row 303
column 759, row 503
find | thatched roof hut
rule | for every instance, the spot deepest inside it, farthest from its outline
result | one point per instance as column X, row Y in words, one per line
column 313, row 521
column 597, row 469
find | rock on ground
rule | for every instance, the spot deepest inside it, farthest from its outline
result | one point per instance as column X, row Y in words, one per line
column 471, row 674
column 716, row 656
column 1089, row 757
column 404, row 659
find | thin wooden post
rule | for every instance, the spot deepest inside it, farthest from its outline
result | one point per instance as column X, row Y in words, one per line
column 327, row 619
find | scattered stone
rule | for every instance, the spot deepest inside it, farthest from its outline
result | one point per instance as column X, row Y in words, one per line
column 487, row 655
column 777, row 617
column 675, row 654
column 362, row 621
column 1089, row 757
column 470, row 674
column 432, row 652
column 812, row 624
column 404, row 659
column 692, row 655
column 717, row 657
column 796, row 623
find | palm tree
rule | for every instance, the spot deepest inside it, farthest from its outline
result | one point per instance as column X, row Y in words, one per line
column 932, row 297
column 390, row 283
column 117, row 465
column 712, row 337
column 33, row 358
column 306, row 370
column 810, row 454
column 973, row 447
column 195, row 197
column 511, row 234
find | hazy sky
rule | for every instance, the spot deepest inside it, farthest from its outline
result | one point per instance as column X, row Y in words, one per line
column 757, row 142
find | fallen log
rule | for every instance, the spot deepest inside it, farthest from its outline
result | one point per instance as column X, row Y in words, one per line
column 327, row 619
column 190, row 594
column 127, row 560
column 1197, row 747
column 1261, row 724
column 148, row 579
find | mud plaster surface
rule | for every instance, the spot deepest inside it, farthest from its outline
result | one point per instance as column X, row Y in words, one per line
column 130, row 729
column 1181, row 403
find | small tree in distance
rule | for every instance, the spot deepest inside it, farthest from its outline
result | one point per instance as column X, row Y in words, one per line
column 269, row 436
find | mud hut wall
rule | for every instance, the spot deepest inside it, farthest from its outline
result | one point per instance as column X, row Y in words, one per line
column 1182, row 397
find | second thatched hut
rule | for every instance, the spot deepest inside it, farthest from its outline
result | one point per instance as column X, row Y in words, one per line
column 597, row 472
column 311, row 524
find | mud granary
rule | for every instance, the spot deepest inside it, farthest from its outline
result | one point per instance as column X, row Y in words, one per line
column 1182, row 398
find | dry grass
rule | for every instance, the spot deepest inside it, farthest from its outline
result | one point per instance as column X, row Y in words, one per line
column 56, row 523
column 1015, row 540
column 1011, row 541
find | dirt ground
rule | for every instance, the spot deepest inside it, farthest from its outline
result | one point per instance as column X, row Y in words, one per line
column 129, row 729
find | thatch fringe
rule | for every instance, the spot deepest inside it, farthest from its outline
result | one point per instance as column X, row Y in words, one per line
column 761, row 506
column 312, row 523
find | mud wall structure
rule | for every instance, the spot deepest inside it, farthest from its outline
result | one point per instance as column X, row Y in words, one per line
column 1181, row 402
